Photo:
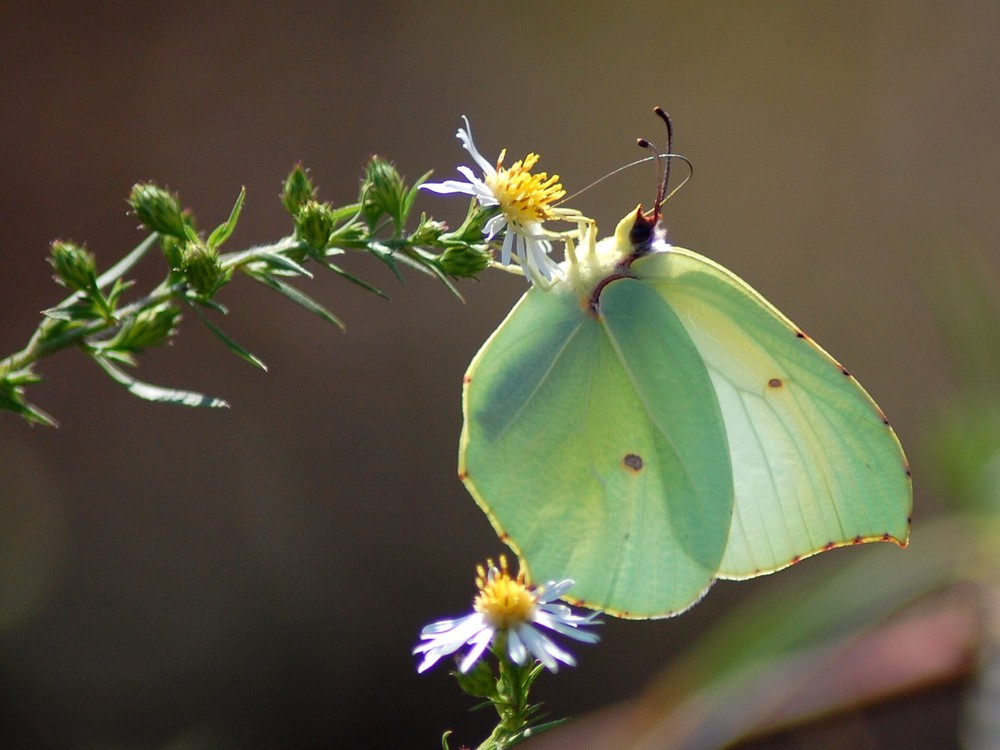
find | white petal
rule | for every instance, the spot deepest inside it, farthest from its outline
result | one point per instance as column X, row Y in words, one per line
column 449, row 640
column 479, row 644
column 449, row 186
column 544, row 649
column 494, row 226
column 567, row 629
column 508, row 241
column 465, row 136
column 553, row 590
column 538, row 260
column 515, row 647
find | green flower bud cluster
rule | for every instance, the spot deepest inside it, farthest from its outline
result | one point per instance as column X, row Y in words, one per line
column 202, row 269
column 75, row 267
column 159, row 211
column 95, row 319
column 384, row 194
column 297, row 190
column 148, row 328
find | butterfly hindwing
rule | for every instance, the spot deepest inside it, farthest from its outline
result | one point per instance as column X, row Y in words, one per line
column 815, row 463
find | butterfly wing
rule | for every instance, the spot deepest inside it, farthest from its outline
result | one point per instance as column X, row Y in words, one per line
column 596, row 446
column 815, row 463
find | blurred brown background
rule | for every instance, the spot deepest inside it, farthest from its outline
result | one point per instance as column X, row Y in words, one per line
column 256, row 578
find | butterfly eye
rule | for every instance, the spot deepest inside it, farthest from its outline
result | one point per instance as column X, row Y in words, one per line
column 641, row 234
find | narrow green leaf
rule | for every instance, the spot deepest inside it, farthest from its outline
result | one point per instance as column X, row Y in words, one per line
column 123, row 266
column 387, row 256
column 528, row 732
column 351, row 277
column 69, row 314
column 410, row 195
column 158, row 393
column 238, row 350
column 298, row 297
column 223, row 231
column 208, row 302
column 280, row 262
column 31, row 413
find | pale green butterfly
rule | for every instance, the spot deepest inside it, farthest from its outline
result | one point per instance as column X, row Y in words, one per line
column 652, row 423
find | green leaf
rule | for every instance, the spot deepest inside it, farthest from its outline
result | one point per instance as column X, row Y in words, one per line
column 12, row 398
column 70, row 314
column 298, row 297
column 157, row 393
column 125, row 265
column 223, row 231
column 350, row 277
column 529, row 732
column 279, row 262
column 238, row 350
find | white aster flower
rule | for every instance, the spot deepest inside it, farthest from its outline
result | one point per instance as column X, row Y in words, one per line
column 524, row 200
column 508, row 612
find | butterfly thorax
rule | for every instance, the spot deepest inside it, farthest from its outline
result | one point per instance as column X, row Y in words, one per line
column 592, row 266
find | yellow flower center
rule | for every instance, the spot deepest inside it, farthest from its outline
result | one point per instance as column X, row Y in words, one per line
column 504, row 601
column 524, row 196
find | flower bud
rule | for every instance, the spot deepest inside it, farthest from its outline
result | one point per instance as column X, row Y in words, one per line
column 297, row 190
column 173, row 251
column 202, row 269
column 429, row 232
column 75, row 267
column 148, row 328
column 463, row 261
column 313, row 223
column 382, row 192
column 158, row 210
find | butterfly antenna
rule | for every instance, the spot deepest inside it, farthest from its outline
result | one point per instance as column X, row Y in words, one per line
column 662, row 162
column 662, row 170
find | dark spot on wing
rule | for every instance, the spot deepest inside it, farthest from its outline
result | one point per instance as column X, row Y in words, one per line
column 774, row 383
column 857, row 539
column 887, row 537
column 466, row 379
column 844, row 371
column 633, row 462
column 797, row 558
column 463, row 475
column 829, row 546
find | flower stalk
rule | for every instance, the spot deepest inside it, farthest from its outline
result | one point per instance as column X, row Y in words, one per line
column 96, row 320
